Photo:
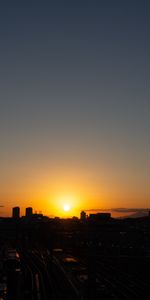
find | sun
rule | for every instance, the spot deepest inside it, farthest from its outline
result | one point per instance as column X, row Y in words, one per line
column 66, row 207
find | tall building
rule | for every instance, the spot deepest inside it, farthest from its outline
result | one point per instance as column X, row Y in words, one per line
column 83, row 216
column 16, row 212
column 29, row 212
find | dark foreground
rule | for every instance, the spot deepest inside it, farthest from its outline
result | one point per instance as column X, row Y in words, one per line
column 43, row 259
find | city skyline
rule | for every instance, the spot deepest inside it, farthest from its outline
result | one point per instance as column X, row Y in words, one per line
column 74, row 117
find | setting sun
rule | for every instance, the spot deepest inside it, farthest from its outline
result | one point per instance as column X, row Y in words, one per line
column 66, row 207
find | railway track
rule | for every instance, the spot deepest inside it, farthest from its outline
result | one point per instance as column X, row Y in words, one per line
column 36, row 280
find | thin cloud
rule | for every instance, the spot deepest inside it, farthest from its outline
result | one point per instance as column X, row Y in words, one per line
column 119, row 210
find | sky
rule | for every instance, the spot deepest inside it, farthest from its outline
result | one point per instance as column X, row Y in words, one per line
column 74, row 105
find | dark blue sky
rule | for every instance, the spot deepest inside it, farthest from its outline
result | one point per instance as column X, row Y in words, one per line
column 75, row 100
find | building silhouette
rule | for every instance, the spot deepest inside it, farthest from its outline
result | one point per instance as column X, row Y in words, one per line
column 29, row 212
column 16, row 212
column 100, row 217
column 83, row 216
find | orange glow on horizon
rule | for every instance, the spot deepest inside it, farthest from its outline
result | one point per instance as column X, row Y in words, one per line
column 50, row 195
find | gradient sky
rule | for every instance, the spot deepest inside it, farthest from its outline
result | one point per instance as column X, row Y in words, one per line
column 74, row 104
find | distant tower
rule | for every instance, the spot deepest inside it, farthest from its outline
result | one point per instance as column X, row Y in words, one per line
column 16, row 212
column 29, row 212
column 83, row 216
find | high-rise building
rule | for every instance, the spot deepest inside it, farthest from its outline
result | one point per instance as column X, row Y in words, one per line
column 29, row 212
column 16, row 212
column 83, row 215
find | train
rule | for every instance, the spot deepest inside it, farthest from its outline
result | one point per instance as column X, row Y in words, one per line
column 11, row 260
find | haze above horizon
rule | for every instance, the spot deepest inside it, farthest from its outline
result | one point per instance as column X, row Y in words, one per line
column 74, row 117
